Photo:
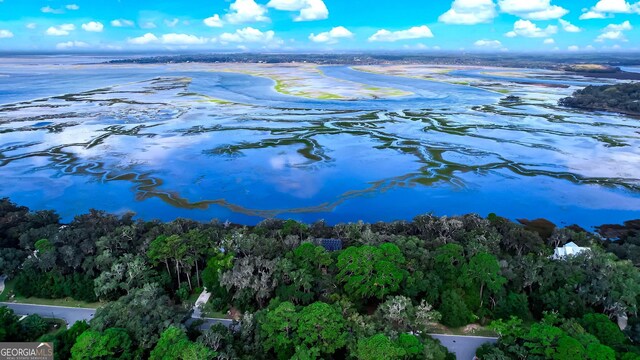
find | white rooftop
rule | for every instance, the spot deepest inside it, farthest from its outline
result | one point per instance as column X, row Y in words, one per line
column 569, row 249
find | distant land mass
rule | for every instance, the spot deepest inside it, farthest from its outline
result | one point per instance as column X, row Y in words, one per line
column 620, row 98
column 589, row 65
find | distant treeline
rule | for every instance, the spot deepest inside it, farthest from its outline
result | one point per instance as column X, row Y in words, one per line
column 537, row 61
column 314, row 291
column 621, row 98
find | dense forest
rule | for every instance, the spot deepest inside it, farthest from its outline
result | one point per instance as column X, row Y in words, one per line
column 621, row 98
column 374, row 293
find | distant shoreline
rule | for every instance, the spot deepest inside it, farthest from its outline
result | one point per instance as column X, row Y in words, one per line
column 618, row 75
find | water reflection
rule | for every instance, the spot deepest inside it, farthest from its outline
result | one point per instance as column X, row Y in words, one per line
column 203, row 144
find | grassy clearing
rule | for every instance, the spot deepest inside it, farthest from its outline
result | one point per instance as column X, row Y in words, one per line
column 476, row 330
column 216, row 315
column 55, row 326
column 8, row 295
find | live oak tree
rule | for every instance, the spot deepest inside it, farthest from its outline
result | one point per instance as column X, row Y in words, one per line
column 371, row 271
column 378, row 347
column 604, row 329
column 279, row 330
column 321, row 328
column 303, row 273
column 175, row 345
column 316, row 331
column 64, row 339
column 9, row 327
column 113, row 343
column 127, row 273
column 251, row 278
column 144, row 314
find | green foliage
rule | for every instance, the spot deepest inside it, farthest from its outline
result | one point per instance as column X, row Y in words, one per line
column 216, row 265
column 32, row 327
column 292, row 227
column 371, row 272
column 490, row 352
column 482, row 273
column 113, row 343
column 220, row 339
column 553, row 338
column 379, row 347
column 9, row 328
column 127, row 273
column 448, row 260
column 11, row 259
column 174, row 344
column 303, row 274
column 619, row 98
column 597, row 351
column 64, row 339
column 144, row 314
column 314, row 331
column 321, row 328
column 454, row 310
column 53, row 285
column 279, row 330
column 513, row 304
column 604, row 329
column 411, row 345
column 377, row 292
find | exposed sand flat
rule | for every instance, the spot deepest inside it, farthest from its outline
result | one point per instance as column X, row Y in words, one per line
column 431, row 72
column 447, row 74
column 308, row 81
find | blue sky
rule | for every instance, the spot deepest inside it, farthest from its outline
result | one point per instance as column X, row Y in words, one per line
column 319, row 25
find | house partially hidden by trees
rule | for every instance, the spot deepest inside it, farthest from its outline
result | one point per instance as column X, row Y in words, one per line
column 570, row 249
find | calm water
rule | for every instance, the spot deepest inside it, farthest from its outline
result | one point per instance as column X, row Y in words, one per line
column 179, row 141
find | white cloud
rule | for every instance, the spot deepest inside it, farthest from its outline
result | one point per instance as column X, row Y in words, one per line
column 242, row 11
column 611, row 35
column 61, row 30
column 122, row 23
column 607, row 8
column 309, row 9
column 549, row 41
column 5, row 34
column 526, row 28
column 569, row 27
column 532, row 9
column 612, row 6
column 172, row 22
column 469, row 12
column 148, row 25
column 168, row 39
column 416, row 32
column 72, row 7
column 592, row 15
column 71, row 44
column 93, row 26
column 573, row 48
column 249, row 35
column 147, row 38
column 625, row 26
column 50, row 10
column 614, row 32
column 332, row 36
column 491, row 44
column 213, row 21
column 31, row 26
column 182, row 39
